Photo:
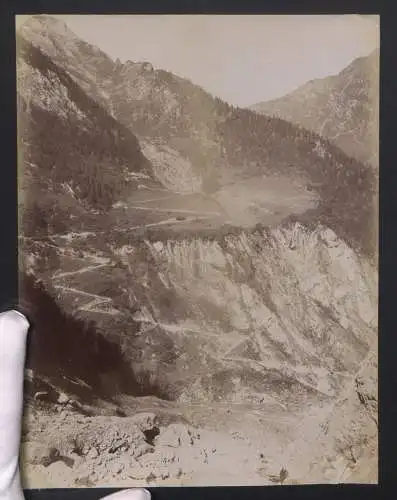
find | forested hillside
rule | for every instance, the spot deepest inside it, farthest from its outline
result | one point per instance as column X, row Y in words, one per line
column 74, row 156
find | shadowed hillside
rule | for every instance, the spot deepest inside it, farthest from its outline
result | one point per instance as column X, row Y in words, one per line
column 73, row 354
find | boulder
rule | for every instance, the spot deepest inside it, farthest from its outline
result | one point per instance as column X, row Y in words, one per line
column 142, row 449
column 329, row 238
column 176, row 435
column 35, row 453
column 144, row 421
column 110, row 439
column 62, row 398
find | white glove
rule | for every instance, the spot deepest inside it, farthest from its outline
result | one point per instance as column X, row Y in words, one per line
column 13, row 331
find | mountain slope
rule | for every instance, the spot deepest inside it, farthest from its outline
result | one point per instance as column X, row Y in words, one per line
column 71, row 149
column 210, row 143
column 163, row 109
column 270, row 322
column 343, row 108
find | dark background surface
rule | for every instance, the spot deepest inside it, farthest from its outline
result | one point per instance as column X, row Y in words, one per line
column 388, row 194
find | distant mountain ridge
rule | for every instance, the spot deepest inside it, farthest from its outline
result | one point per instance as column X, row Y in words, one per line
column 343, row 108
column 196, row 142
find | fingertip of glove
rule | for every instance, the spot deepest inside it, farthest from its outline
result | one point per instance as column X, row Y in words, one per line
column 130, row 494
column 14, row 319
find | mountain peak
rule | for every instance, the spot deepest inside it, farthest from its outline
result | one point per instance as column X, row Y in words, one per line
column 341, row 107
column 47, row 24
column 46, row 32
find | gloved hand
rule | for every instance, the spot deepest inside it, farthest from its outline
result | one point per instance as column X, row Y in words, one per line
column 13, row 332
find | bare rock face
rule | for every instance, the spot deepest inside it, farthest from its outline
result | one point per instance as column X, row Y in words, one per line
column 262, row 305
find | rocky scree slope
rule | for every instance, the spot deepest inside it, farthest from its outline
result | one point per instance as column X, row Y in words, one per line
column 287, row 312
column 280, row 316
column 281, row 322
column 344, row 108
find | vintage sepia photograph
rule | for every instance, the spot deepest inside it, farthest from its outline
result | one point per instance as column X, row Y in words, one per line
column 198, row 249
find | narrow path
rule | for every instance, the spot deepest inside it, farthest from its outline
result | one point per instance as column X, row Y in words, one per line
column 93, row 305
column 176, row 210
column 81, row 292
column 157, row 189
column 170, row 197
column 80, row 271
column 226, row 355
column 180, row 328
column 163, row 223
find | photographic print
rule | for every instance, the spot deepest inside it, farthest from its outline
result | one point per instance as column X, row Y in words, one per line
column 198, row 249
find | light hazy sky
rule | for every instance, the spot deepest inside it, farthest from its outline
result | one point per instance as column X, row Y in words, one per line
column 242, row 59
